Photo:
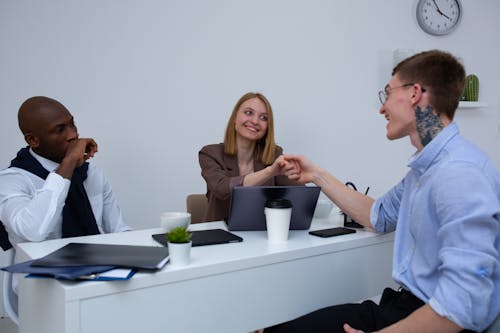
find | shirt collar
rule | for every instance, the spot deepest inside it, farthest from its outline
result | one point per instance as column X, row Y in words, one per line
column 46, row 163
column 423, row 160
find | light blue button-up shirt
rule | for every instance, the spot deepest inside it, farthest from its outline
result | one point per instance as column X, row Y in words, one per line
column 446, row 213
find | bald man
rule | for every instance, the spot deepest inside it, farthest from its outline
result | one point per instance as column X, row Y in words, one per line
column 50, row 190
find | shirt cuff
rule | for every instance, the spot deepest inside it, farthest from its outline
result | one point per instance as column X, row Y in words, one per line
column 378, row 227
column 55, row 182
column 440, row 310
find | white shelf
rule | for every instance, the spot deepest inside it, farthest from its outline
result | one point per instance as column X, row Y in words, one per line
column 470, row 105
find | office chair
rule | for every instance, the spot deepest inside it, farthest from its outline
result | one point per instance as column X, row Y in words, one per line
column 196, row 204
column 9, row 297
column 495, row 327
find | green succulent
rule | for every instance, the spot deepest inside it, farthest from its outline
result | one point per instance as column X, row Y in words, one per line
column 179, row 235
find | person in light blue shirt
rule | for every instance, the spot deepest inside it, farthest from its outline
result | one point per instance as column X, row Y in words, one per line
column 445, row 211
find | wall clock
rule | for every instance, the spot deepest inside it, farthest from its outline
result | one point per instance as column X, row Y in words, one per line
column 438, row 17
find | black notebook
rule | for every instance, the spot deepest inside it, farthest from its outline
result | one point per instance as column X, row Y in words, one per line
column 204, row 237
column 128, row 256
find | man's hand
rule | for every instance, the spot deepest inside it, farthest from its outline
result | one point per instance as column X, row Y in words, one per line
column 305, row 168
column 349, row 329
column 291, row 168
column 79, row 150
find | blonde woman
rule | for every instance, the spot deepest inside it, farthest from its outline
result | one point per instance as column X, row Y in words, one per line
column 249, row 155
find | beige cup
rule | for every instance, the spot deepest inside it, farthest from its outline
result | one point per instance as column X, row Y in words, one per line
column 278, row 213
column 170, row 220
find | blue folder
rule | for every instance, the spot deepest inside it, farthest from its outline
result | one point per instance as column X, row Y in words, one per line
column 68, row 273
column 124, row 256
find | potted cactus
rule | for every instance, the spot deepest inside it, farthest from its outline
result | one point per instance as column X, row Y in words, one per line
column 471, row 91
column 179, row 246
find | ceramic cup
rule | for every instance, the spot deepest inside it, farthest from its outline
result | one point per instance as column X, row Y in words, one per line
column 179, row 253
column 278, row 213
column 170, row 220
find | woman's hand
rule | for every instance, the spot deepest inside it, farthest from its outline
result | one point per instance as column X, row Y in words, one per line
column 281, row 166
column 304, row 170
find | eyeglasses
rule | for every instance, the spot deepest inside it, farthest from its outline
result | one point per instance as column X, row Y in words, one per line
column 384, row 94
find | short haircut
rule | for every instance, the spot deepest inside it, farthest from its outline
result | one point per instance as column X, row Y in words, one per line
column 266, row 146
column 439, row 73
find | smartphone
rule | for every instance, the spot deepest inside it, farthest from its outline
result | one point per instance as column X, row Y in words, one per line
column 337, row 231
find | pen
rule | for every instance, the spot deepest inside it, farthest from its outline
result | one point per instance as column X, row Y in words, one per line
column 367, row 189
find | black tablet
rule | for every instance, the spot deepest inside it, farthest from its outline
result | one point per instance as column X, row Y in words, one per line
column 204, row 237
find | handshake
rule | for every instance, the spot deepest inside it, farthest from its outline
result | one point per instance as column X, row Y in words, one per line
column 295, row 167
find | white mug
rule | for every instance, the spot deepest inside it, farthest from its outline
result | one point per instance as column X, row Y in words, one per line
column 170, row 220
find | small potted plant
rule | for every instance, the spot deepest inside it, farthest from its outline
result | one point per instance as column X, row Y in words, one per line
column 179, row 246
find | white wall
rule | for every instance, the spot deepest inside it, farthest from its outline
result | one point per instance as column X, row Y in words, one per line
column 154, row 81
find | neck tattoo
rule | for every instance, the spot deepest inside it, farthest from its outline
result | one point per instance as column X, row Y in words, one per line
column 429, row 124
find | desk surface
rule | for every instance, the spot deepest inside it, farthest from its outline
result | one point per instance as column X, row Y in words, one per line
column 211, row 280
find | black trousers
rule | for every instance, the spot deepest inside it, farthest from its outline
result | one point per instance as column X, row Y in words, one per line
column 366, row 316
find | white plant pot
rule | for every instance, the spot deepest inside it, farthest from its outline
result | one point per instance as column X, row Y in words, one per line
column 179, row 253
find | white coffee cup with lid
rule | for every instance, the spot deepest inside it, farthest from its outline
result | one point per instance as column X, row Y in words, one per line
column 278, row 213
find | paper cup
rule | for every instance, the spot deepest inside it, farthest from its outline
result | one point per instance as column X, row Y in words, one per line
column 278, row 213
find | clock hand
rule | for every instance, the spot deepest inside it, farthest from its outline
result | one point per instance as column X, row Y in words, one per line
column 437, row 8
column 435, row 4
column 446, row 16
column 439, row 11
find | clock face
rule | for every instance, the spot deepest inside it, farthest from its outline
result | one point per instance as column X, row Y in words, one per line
column 438, row 17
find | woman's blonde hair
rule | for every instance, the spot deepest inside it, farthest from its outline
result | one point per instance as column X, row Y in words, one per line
column 265, row 147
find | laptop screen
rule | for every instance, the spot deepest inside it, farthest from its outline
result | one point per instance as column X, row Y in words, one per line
column 247, row 206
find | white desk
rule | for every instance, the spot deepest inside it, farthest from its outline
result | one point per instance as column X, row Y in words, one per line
column 236, row 287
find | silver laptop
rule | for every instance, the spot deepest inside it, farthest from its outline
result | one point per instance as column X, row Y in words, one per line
column 247, row 206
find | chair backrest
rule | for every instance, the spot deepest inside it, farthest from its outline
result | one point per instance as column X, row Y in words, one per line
column 196, row 204
column 495, row 326
column 8, row 295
